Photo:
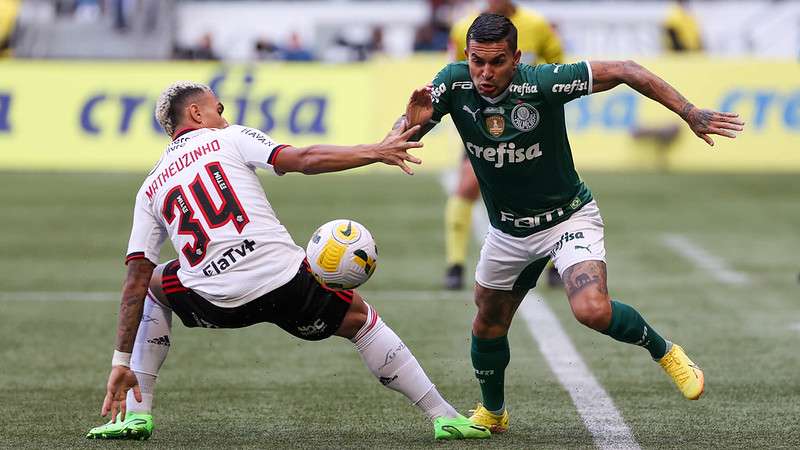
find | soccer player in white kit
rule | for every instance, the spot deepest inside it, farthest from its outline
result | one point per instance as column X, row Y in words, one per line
column 237, row 265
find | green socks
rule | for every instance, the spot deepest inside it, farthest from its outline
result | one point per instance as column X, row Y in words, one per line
column 490, row 358
column 627, row 325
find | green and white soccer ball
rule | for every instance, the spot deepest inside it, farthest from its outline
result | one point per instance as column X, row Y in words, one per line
column 342, row 254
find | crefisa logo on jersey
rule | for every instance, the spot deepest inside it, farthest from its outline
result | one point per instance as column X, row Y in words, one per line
column 523, row 89
column 524, row 117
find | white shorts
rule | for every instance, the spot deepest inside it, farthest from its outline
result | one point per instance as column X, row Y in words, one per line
column 514, row 263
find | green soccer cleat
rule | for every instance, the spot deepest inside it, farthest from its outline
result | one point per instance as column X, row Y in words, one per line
column 458, row 428
column 137, row 426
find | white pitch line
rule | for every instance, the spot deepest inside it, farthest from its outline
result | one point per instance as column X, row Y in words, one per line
column 595, row 407
column 715, row 266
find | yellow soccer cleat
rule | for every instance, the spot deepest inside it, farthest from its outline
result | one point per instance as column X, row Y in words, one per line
column 495, row 424
column 686, row 374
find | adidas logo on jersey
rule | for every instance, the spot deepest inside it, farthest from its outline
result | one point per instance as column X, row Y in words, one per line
column 505, row 152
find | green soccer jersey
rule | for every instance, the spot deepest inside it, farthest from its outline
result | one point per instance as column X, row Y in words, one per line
column 517, row 142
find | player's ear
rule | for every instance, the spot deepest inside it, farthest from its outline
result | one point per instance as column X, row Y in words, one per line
column 194, row 113
column 517, row 56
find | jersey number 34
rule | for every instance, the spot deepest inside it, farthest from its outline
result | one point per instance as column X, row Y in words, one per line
column 230, row 211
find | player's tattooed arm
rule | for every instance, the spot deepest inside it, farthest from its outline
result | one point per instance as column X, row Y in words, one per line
column 703, row 122
column 586, row 275
column 130, row 310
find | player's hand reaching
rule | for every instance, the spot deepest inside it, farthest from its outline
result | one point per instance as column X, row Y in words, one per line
column 420, row 106
column 705, row 121
column 393, row 150
column 120, row 380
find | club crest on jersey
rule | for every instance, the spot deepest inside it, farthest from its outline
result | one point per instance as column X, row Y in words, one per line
column 496, row 125
column 524, row 117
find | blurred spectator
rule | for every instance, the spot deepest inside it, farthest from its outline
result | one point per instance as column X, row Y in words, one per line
column 681, row 29
column 8, row 19
column 87, row 10
column 430, row 38
column 204, row 50
column 433, row 36
column 295, row 51
column 266, row 49
column 376, row 40
column 355, row 44
column 122, row 14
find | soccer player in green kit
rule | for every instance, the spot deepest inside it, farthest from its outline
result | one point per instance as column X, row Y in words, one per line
column 510, row 117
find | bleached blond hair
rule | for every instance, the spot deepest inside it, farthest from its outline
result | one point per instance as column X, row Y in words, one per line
column 171, row 100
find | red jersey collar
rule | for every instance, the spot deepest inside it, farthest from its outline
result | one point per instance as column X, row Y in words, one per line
column 183, row 131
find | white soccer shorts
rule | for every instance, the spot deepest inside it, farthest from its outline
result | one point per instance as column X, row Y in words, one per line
column 511, row 263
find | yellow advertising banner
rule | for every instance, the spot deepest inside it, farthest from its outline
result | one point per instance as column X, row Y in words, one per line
column 99, row 115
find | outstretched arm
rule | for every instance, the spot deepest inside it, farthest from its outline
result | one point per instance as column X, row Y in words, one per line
column 703, row 122
column 393, row 150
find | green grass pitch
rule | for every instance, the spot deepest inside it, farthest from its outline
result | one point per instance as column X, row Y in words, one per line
column 261, row 388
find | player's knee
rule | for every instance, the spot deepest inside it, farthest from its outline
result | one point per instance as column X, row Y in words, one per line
column 353, row 321
column 593, row 310
column 489, row 324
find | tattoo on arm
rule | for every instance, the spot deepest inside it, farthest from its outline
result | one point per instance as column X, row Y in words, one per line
column 700, row 118
column 132, row 304
column 399, row 123
column 584, row 275
column 687, row 108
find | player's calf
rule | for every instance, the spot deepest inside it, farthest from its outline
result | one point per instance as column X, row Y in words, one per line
column 392, row 363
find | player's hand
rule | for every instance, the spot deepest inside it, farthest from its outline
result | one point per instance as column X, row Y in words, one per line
column 120, row 380
column 420, row 106
column 705, row 121
column 393, row 150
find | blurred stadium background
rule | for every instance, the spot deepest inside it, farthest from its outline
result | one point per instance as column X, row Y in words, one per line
column 704, row 241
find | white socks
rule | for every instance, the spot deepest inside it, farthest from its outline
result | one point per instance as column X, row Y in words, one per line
column 392, row 363
column 149, row 351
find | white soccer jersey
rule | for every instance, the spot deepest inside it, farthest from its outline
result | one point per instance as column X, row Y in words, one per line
column 204, row 194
